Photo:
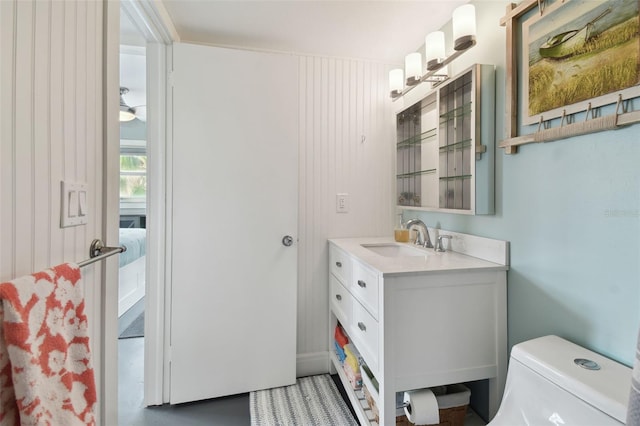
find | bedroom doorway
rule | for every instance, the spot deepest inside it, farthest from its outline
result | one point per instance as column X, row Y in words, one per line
column 142, row 361
column 133, row 219
column 133, row 189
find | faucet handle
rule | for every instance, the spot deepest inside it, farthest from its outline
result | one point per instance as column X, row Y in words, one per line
column 439, row 247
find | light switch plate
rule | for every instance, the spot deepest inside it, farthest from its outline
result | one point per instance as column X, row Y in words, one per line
column 73, row 209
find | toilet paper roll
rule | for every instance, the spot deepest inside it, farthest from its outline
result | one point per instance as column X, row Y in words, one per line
column 421, row 407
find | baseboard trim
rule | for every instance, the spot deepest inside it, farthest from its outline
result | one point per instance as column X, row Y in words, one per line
column 312, row 363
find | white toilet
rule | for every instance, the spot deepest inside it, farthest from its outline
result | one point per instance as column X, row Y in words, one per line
column 553, row 381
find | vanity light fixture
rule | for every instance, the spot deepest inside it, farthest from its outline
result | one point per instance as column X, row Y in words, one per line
column 464, row 38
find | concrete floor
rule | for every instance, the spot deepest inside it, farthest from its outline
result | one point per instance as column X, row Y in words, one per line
column 227, row 411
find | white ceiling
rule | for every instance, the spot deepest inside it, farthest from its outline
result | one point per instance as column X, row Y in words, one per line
column 133, row 74
column 384, row 30
column 132, row 62
column 380, row 29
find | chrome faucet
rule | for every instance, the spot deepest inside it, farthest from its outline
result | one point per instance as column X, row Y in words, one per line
column 423, row 233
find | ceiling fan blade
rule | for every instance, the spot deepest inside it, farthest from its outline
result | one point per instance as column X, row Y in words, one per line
column 140, row 112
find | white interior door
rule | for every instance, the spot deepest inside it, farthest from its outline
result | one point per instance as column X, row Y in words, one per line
column 234, row 198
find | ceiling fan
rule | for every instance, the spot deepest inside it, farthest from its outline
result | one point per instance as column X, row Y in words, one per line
column 128, row 113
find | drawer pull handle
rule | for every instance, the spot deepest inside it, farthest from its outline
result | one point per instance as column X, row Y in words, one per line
column 362, row 327
column 362, row 283
column 339, row 264
column 338, row 297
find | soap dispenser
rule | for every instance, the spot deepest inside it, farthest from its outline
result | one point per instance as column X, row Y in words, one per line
column 401, row 234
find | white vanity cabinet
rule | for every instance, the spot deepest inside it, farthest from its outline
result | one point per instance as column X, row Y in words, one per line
column 420, row 321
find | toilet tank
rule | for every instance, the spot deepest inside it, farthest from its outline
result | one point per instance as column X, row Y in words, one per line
column 545, row 385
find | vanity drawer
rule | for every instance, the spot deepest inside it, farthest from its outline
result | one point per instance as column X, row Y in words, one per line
column 364, row 332
column 364, row 287
column 339, row 264
column 341, row 301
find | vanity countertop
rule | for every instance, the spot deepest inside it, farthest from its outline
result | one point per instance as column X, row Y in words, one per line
column 431, row 262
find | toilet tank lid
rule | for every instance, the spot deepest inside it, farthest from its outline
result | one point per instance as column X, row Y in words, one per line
column 606, row 389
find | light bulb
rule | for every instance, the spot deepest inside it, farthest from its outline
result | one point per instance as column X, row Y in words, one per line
column 396, row 82
column 464, row 27
column 413, row 68
column 434, row 49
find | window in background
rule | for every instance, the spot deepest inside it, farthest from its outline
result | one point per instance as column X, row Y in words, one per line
column 133, row 177
column 133, row 183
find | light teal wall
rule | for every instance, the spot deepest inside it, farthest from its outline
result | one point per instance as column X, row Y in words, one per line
column 571, row 210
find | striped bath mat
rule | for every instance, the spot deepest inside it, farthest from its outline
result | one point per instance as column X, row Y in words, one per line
column 311, row 401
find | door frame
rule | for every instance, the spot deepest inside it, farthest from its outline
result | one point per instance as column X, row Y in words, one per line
column 109, row 327
column 155, row 26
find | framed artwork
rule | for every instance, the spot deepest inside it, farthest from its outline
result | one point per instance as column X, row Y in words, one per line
column 577, row 55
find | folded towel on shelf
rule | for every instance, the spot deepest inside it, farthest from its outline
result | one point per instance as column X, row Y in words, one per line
column 352, row 357
column 46, row 375
column 339, row 352
column 340, row 336
column 355, row 379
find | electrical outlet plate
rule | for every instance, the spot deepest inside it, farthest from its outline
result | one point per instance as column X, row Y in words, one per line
column 342, row 205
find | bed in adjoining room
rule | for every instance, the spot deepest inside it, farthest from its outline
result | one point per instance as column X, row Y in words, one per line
column 132, row 268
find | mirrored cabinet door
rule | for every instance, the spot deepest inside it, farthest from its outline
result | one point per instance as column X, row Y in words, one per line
column 445, row 146
column 417, row 135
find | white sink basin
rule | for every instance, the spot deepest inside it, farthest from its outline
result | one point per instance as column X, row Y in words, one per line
column 394, row 250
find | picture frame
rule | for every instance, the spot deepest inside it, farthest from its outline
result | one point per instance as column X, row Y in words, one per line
column 598, row 112
column 577, row 53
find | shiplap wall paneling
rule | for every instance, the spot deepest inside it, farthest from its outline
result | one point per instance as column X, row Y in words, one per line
column 40, row 138
column 7, row 118
column 23, row 198
column 51, row 130
column 346, row 146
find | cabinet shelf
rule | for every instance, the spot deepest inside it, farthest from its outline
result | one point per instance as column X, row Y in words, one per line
column 422, row 137
column 461, row 111
column 418, row 173
column 457, row 145
column 356, row 398
column 459, row 177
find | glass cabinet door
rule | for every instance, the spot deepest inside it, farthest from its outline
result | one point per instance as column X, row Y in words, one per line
column 445, row 144
column 455, row 144
column 417, row 137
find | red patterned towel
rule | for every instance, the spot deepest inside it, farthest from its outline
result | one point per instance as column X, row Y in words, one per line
column 46, row 376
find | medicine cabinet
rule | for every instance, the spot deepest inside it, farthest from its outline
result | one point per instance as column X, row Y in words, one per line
column 445, row 146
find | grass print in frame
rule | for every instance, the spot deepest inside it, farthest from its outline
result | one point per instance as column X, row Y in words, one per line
column 579, row 52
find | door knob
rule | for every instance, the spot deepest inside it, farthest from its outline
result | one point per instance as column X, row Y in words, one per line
column 287, row 240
